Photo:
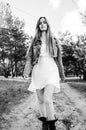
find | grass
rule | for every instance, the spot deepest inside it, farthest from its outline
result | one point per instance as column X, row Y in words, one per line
column 78, row 84
column 11, row 93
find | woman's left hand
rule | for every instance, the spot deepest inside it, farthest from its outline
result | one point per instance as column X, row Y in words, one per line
column 63, row 79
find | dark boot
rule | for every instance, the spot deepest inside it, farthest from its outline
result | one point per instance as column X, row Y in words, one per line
column 51, row 124
column 44, row 123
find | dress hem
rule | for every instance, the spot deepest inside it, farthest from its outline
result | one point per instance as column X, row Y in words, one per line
column 56, row 89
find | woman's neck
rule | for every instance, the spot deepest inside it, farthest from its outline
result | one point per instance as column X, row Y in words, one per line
column 43, row 37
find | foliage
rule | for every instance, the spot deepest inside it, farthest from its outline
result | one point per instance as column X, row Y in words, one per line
column 80, row 55
column 12, row 40
column 74, row 54
column 83, row 16
column 67, row 52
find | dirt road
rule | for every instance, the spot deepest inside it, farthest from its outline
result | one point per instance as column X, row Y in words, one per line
column 69, row 104
column 77, row 98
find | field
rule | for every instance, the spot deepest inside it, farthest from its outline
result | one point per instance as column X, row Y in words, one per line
column 19, row 109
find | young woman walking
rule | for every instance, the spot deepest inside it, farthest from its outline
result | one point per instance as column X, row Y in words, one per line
column 46, row 68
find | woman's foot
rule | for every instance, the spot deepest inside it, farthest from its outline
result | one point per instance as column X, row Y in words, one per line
column 44, row 123
column 51, row 124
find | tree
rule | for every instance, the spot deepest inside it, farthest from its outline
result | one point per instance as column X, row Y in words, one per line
column 83, row 16
column 5, row 15
column 80, row 55
column 12, row 39
column 74, row 54
column 67, row 52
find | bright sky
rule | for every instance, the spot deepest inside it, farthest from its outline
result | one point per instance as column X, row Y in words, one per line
column 61, row 14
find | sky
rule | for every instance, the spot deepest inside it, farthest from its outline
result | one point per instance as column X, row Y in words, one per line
column 62, row 14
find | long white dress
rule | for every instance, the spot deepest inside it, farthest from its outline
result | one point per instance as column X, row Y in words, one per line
column 45, row 72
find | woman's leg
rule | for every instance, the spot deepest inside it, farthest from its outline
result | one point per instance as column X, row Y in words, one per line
column 48, row 94
column 40, row 95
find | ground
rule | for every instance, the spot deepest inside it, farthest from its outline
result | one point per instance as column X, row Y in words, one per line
column 19, row 108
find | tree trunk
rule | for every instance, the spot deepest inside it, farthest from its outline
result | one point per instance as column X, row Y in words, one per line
column 84, row 76
column 15, row 68
column 12, row 75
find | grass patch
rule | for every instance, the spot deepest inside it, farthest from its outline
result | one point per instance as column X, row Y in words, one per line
column 78, row 84
column 11, row 93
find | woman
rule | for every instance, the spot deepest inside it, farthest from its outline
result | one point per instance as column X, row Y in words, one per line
column 45, row 65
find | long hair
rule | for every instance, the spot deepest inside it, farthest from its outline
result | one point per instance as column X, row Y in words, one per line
column 49, row 35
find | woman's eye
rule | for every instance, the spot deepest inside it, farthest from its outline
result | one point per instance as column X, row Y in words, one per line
column 44, row 22
column 40, row 23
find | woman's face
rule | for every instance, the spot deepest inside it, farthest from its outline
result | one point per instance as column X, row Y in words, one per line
column 43, row 24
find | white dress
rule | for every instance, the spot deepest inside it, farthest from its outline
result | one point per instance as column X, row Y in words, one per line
column 45, row 72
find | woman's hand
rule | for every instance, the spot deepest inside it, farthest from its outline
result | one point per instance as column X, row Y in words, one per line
column 63, row 79
column 25, row 76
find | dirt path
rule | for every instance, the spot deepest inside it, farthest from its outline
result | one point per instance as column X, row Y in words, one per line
column 23, row 116
column 76, row 97
column 69, row 104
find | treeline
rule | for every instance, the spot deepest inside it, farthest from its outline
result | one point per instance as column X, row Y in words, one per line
column 14, row 43
column 74, row 54
column 74, row 51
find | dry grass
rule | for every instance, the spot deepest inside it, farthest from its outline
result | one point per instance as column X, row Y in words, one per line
column 11, row 93
column 77, row 84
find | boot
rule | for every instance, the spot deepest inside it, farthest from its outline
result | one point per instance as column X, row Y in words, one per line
column 51, row 124
column 44, row 123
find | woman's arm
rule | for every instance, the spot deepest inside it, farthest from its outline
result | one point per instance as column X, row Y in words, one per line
column 60, row 64
column 27, row 68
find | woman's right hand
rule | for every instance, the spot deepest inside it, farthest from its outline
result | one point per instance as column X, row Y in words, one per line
column 25, row 77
